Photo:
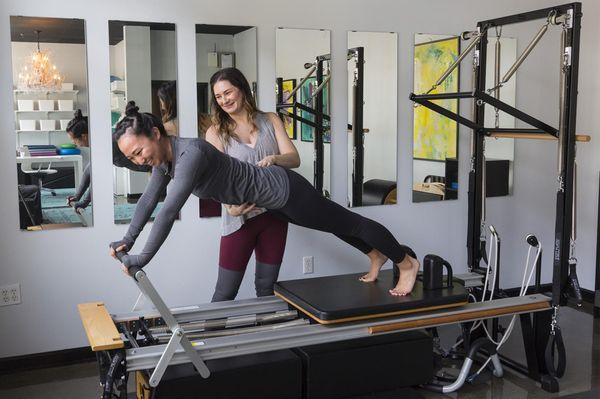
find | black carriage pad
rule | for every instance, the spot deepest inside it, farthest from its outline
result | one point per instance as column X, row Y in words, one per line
column 336, row 299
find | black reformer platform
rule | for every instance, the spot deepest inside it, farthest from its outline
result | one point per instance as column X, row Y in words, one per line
column 338, row 299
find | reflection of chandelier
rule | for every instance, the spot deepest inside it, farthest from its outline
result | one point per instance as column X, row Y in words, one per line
column 40, row 73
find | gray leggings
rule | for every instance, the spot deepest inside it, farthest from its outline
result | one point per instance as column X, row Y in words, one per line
column 228, row 282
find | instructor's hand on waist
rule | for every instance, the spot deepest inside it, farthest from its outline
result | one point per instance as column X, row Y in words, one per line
column 267, row 161
column 238, row 210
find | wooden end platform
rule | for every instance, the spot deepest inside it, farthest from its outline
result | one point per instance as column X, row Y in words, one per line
column 99, row 327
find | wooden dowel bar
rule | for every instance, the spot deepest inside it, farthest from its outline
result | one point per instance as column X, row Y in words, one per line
column 454, row 318
column 584, row 138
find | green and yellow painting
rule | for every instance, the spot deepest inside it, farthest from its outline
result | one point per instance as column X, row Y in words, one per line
column 434, row 135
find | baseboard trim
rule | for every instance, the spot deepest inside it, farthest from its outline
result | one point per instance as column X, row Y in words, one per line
column 35, row 361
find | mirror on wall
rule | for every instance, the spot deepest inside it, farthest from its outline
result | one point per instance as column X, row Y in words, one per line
column 52, row 141
column 435, row 137
column 372, row 118
column 143, row 68
column 218, row 47
column 303, row 99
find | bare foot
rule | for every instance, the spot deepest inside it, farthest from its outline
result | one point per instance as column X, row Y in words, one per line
column 377, row 260
column 409, row 268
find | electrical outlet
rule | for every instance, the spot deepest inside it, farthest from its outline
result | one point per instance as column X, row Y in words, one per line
column 10, row 294
column 308, row 265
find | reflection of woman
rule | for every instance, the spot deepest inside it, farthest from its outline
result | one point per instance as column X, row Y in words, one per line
column 194, row 166
column 167, row 97
column 243, row 132
column 77, row 129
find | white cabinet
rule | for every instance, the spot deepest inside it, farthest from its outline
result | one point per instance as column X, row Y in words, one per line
column 35, row 111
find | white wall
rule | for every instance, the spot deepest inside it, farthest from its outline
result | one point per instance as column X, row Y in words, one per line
column 244, row 45
column 294, row 48
column 163, row 50
column 59, row 269
column 117, row 60
column 206, row 43
column 380, row 93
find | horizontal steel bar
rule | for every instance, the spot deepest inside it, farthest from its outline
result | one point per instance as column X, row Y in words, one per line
column 442, row 96
column 447, row 113
column 502, row 106
column 209, row 311
column 230, row 322
column 222, row 347
column 526, row 16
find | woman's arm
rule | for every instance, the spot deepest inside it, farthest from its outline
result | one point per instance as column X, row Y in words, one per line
column 214, row 138
column 188, row 167
column 144, row 208
column 83, row 186
column 288, row 154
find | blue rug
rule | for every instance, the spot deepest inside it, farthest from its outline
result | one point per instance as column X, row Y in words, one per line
column 124, row 212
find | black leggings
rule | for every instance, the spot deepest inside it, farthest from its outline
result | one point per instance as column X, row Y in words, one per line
column 308, row 208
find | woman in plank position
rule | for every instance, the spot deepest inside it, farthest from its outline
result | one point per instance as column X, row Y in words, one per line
column 194, row 166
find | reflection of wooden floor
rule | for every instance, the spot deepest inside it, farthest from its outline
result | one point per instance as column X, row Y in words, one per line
column 339, row 299
column 54, row 226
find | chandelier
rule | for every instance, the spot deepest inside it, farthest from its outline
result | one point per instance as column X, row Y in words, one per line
column 39, row 72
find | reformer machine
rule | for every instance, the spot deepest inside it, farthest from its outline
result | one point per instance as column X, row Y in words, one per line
column 151, row 341
column 545, row 352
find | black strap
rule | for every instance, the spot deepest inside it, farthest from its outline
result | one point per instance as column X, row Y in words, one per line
column 574, row 287
column 556, row 344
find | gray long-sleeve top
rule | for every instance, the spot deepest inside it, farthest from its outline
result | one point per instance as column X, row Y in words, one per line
column 199, row 168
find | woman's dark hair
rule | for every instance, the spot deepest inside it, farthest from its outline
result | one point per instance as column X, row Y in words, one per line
column 224, row 124
column 78, row 126
column 167, row 93
column 141, row 123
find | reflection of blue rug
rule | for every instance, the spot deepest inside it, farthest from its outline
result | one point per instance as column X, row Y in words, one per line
column 124, row 212
column 56, row 211
column 63, row 215
column 56, row 201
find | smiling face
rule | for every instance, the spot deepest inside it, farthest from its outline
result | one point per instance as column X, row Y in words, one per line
column 144, row 150
column 228, row 97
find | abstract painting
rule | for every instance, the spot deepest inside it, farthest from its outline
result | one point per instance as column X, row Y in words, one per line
column 434, row 135
column 306, row 92
column 289, row 124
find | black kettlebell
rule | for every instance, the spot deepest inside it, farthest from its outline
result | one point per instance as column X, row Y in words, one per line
column 433, row 272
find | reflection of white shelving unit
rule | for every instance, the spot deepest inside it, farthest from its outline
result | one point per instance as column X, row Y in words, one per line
column 118, row 100
column 54, row 137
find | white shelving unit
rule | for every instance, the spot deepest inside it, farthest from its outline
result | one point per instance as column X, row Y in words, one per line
column 54, row 137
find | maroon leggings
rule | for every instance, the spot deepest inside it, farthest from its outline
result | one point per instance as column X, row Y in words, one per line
column 264, row 234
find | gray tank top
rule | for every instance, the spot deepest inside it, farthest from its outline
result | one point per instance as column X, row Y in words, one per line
column 266, row 144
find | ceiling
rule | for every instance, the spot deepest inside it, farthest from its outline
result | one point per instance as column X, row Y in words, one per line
column 52, row 30
column 64, row 30
column 221, row 29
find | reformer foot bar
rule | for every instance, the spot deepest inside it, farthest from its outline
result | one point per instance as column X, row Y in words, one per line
column 118, row 336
